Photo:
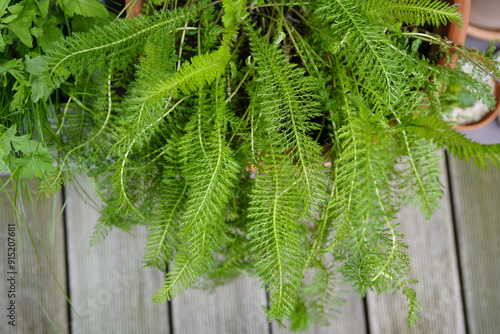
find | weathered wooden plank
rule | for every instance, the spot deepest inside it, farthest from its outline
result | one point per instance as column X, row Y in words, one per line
column 36, row 287
column 110, row 290
column 476, row 198
column 350, row 319
column 235, row 308
column 434, row 263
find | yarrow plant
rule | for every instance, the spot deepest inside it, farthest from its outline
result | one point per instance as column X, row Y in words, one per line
column 266, row 137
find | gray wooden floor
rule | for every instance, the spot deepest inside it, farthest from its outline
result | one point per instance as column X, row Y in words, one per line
column 455, row 256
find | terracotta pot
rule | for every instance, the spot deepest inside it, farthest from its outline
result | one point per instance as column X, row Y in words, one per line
column 458, row 36
column 470, row 10
column 485, row 19
column 452, row 31
column 133, row 7
column 490, row 116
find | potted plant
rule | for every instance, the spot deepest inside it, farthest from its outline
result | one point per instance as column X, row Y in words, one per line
column 210, row 123
column 462, row 108
column 28, row 127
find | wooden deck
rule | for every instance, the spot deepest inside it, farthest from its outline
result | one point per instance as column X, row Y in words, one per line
column 455, row 255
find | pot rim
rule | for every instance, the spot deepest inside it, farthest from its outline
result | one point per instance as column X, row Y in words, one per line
column 483, row 33
column 490, row 116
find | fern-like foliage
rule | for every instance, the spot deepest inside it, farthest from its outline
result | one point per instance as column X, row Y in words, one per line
column 277, row 236
column 88, row 51
column 416, row 12
column 233, row 12
column 362, row 175
column 138, row 113
column 437, row 131
column 356, row 34
column 235, row 256
column 197, row 73
column 273, row 138
column 419, row 174
column 288, row 98
column 320, row 300
column 162, row 237
column 291, row 168
column 210, row 174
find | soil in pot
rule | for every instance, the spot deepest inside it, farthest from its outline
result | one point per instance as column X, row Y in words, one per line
column 468, row 112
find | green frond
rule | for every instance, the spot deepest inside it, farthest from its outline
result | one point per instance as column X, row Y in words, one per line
column 362, row 174
column 233, row 12
column 437, row 131
column 320, row 300
column 179, row 277
column 355, row 33
column 90, row 50
column 162, row 240
column 364, row 238
column 145, row 106
column 232, row 260
column 138, row 113
column 290, row 181
column 276, row 235
column 419, row 173
column 413, row 304
column 112, row 215
column 288, row 98
column 418, row 12
column 211, row 175
column 360, row 270
column 171, row 189
column 193, row 75
column 383, row 269
column 124, row 149
column 417, row 91
column 158, row 62
column 100, row 232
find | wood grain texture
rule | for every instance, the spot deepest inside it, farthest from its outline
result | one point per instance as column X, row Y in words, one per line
column 235, row 308
column 476, row 198
column 434, row 263
column 110, row 290
column 350, row 319
column 36, row 280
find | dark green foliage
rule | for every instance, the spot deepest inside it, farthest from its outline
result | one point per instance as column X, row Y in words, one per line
column 210, row 124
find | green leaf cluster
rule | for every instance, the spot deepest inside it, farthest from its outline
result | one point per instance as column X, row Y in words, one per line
column 274, row 138
column 23, row 156
column 29, row 28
